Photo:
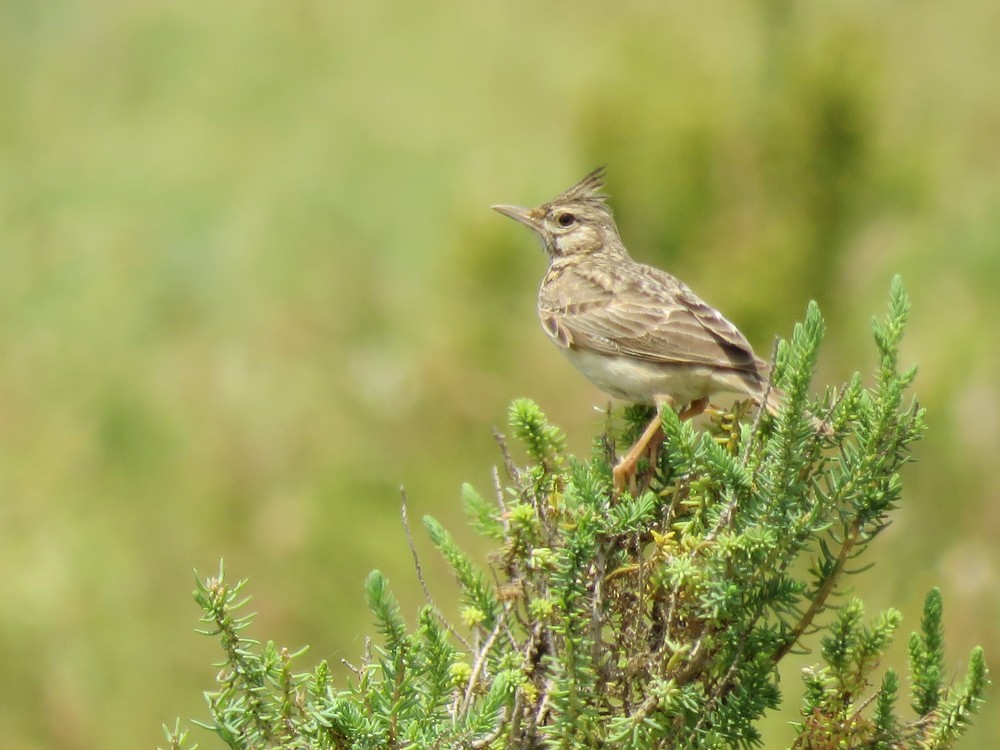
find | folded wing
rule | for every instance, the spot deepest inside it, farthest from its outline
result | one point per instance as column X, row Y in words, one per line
column 653, row 317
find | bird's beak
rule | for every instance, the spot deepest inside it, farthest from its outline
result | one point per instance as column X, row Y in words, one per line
column 518, row 213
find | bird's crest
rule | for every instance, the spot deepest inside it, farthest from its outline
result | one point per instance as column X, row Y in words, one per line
column 587, row 189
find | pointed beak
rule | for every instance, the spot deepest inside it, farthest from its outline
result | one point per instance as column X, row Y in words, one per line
column 518, row 213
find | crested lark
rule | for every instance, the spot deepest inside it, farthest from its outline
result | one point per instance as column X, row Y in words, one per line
column 635, row 331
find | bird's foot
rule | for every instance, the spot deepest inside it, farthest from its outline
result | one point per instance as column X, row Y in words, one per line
column 623, row 474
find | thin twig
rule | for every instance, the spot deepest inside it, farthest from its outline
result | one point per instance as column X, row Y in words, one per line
column 515, row 715
column 694, row 666
column 492, row 736
column 478, row 667
column 506, row 609
column 595, row 610
column 530, row 731
column 726, row 516
column 720, row 686
column 668, row 626
column 638, row 716
column 768, row 390
column 498, row 493
column 351, row 667
column 643, row 624
column 823, row 593
column 413, row 548
column 833, row 406
column 508, row 462
column 696, row 660
column 543, row 704
column 420, row 572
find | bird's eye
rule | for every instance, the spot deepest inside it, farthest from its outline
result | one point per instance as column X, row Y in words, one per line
column 565, row 220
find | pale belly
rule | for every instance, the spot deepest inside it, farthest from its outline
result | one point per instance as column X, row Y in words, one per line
column 648, row 383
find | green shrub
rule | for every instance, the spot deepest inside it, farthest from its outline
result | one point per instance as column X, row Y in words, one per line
column 651, row 619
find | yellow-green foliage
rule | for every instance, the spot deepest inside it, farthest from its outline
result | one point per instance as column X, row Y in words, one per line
column 652, row 618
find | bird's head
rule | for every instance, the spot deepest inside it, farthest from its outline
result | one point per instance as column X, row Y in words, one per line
column 575, row 222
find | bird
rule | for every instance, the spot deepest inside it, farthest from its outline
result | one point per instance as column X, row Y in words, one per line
column 635, row 331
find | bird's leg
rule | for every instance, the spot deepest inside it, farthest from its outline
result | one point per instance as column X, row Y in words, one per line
column 625, row 469
column 650, row 438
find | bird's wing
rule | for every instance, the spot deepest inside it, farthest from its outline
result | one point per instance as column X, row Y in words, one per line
column 646, row 314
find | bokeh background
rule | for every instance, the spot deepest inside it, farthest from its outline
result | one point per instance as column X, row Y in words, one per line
column 250, row 284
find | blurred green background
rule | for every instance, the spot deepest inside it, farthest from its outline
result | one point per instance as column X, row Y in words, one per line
column 250, row 284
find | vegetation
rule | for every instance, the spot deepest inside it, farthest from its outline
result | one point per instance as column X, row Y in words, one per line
column 654, row 619
column 250, row 284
